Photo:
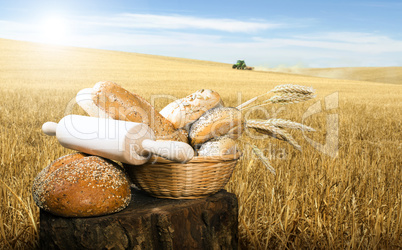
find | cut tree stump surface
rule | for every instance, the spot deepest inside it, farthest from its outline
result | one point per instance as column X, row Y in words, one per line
column 149, row 223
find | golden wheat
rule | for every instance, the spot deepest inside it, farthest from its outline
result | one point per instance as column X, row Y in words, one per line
column 263, row 159
column 280, row 123
column 273, row 131
column 293, row 88
column 290, row 98
column 313, row 201
column 286, row 94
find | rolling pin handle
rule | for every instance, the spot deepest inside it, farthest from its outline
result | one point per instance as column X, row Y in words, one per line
column 49, row 128
column 172, row 150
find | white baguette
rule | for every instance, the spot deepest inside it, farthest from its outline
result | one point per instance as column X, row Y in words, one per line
column 216, row 122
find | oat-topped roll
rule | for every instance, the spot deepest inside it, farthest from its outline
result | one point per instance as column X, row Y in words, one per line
column 216, row 122
column 181, row 113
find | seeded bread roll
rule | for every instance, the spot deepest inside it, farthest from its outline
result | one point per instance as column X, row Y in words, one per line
column 214, row 123
column 109, row 100
column 181, row 113
column 223, row 145
column 80, row 185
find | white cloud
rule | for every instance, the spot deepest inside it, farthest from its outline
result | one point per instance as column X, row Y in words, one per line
column 341, row 41
column 10, row 26
column 119, row 41
column 176, row 22
column 180, row 36
column 350, row 37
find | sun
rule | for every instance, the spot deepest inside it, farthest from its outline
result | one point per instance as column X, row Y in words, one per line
column 53, row 30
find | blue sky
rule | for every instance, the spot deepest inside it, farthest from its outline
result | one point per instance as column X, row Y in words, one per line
column 264, row 33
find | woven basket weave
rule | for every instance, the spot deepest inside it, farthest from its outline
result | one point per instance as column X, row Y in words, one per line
column 198, row 178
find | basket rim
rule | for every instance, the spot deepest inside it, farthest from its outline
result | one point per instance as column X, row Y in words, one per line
column 198, row 159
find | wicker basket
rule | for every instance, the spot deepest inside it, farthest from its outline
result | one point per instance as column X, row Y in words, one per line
column 198, row 178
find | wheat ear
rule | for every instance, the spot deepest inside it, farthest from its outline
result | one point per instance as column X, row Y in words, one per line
column 287, row 98
column 281, row 123
column 293, row 88
column 287, row 93
column 273, row 132
column 263, row 159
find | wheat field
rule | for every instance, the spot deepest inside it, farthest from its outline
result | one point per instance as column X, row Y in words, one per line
column 371, row 74
column 351, row 201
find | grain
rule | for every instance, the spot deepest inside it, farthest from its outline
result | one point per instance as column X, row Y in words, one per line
column 281, row 123
column 273, row 131
column 313, row 200
column 293, row 88
column 287, row 98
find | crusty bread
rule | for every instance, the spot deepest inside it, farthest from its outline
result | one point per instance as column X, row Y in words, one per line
column 80, row 185
column 84, row 100
column 216, row 122
column 220, row 146
column 181, row 113
column 120, row 104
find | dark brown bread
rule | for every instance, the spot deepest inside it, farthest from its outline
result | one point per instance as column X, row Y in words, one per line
column 80, row 185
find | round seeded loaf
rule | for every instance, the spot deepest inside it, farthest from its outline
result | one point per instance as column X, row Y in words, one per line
column 79, row 185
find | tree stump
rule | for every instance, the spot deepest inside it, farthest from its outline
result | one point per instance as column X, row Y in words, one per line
column 149, row 223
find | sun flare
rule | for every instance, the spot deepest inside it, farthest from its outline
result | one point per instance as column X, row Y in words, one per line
column 54, row 30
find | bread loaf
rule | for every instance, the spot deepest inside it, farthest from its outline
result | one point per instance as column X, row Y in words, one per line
column 216, row 122
column 181, row 113
column 220, row 146
column 80, row 185
column 84, row 100
column 117, row 103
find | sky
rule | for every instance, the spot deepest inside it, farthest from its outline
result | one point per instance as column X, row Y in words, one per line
column 285, row 33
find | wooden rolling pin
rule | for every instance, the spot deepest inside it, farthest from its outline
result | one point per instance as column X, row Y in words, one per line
column 124, row 141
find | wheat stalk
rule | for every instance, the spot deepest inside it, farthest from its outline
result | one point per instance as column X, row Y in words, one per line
column 244, row 104
column 281, row 123
column 273, row 131
column 24, row 206
column 263, row 159
column 293, row 88
column 241, row 106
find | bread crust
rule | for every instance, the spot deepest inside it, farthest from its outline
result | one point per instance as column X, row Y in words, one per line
column 216, row 122
column 120, row 104
column 181, row 113
column 80, row 185
column 220, row 146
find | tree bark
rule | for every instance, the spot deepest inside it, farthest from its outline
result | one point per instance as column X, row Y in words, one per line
column 149, row 223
